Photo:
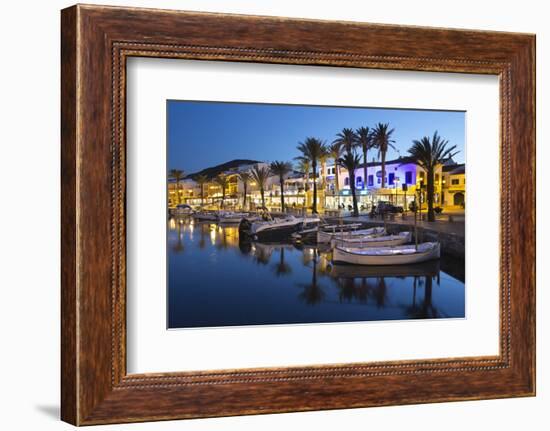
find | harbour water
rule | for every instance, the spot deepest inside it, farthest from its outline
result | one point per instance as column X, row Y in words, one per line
column 216, row 280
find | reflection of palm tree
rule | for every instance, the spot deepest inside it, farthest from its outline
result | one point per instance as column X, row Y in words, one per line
column 380, row 292
column 350, row 290
column 425, row 310
column 223, row 244
column 312, row 292
column 178, row 246
column 346, row 289
column 202, row 240
column 282, row 268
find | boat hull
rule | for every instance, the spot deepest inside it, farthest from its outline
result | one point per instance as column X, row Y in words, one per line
column 326, row 237
column 273, row 231
column 205, row 217
column 372, row 241
column 387, row 256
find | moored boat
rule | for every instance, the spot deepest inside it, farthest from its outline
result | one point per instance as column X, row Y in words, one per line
column 276, row 229
column 323, row 236
column 399, row 255
column 181, row 210
column 362, row 241
column 233, row 217
column 205, row 216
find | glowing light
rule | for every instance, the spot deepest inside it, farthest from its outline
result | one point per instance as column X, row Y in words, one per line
column 213, row 236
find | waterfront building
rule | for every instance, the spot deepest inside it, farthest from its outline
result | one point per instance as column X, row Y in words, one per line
column 404, row 181
column 453, row 192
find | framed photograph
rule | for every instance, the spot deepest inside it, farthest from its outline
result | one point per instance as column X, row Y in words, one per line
column 265, row 215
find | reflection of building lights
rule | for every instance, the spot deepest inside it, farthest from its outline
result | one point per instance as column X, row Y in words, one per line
column 172, row 224
column 213, row 236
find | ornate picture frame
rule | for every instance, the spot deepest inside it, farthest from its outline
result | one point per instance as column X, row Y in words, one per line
column 96, row 41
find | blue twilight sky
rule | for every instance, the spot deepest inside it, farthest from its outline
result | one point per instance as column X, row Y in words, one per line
column 204, row 134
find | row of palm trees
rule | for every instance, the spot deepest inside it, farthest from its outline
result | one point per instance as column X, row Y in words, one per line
column 343, row 150
column 346, row 151
column 259, row 175
column 426, row 153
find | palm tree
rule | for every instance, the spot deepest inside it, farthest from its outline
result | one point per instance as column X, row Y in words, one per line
column 428, row 154
column 281, row 169
column 223, row 182
column 323, row 172
column 346, row 139
column 245, row 178
column 201, row 180
column 351, row 162
column 335, row 151
column 382, row 141
column 313, row 149
column 260, row 175
column 177, row 175
column 365, row 143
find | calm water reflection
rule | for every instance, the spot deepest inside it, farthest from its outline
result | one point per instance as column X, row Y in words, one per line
column 213, row 280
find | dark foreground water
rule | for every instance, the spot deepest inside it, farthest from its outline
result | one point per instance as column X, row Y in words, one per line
column 215, row 280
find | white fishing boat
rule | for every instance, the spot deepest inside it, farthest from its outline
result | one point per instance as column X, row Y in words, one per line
column 399, row 255
column 323, row 236
column 182, row 210
column 205, row 216
column 227, row 217
column 276, row 229
column 362, row 241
